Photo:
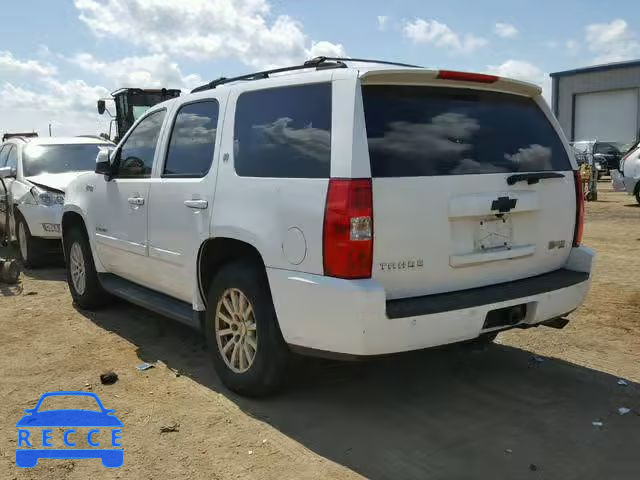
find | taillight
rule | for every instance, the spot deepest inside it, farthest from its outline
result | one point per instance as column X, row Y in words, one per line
column 579, row 228
column 467, row 76
column 348, row 229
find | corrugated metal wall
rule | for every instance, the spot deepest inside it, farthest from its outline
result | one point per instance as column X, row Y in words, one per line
column 566, row 87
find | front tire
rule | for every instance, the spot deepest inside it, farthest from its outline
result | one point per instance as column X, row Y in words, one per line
column 30, row 252
column 637, row 194
column 249, row 354
column 82, row 278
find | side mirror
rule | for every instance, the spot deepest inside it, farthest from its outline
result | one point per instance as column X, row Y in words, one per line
column 8, row 172
column 101, row 107
column 103, row 162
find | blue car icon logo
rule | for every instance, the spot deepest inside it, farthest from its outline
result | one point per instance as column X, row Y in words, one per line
column 97, row 423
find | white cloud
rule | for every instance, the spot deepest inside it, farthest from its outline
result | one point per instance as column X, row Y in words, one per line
column 432, row 32
column 612, row 42
column 148, row 71
column 505, row 30
column 326, row 49
column 242, row 29
column 521, row 70
column 9, row 65
column 69, row 106
column 572, row 46
column 382, row 22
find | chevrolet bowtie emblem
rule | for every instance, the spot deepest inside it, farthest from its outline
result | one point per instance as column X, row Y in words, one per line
column 504, row 204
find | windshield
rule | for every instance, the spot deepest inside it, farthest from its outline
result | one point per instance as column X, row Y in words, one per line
column 424, row 131
column 609, row 148
column 37, row 159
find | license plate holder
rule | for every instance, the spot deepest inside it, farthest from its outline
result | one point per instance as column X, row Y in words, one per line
column 493, row 233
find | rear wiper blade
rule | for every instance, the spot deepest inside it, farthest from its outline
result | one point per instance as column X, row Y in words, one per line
column 532, row 178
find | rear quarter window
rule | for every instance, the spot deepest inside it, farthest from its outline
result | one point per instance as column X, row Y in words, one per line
column 428, row 131
column 284, row 132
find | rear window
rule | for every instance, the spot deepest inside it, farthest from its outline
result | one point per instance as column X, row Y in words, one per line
column 284, row 132
column 427, row 131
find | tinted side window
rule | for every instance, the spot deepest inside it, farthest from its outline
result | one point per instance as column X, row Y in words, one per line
column 284, row 132
column 428, row 131
column 193, row 139
column 4, row 151
column 136, row 154
column 12, row 158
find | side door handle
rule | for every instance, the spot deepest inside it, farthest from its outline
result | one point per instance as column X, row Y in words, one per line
column 199, row 204
column 136, row 200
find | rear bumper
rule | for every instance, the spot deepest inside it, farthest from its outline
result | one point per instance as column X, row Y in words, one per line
column 354, row 318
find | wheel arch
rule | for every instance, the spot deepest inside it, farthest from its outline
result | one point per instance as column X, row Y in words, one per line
column 73, row 217
column 218, row 251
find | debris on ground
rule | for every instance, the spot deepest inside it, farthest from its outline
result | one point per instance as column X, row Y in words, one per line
column 622, row 382
column 623, row 410
column 170, row 427
column 508, row 451
column 533, row 467
column 88, row 386
column 144, row 366
column 109, row 378
column 597, row 424
column 30, row 293
column 250, row 452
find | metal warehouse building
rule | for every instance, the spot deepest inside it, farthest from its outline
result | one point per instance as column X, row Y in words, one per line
column 599, row 103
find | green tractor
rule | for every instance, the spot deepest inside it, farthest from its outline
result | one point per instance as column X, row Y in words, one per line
column 130, row 104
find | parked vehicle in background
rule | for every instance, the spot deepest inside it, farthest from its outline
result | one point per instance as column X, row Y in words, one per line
column 339, row 208
column 606, row 155
column 37, row 172
column 630, row 169
column 130, row 104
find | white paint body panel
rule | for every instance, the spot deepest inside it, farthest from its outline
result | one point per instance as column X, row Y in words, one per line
column 349, row 317
column 631, row 171
column 157, row 244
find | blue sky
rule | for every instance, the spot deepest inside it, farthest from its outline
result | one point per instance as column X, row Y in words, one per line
column 58, row 57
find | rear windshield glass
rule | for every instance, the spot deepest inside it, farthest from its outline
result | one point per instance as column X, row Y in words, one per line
column 426, row 131
column 37, row 159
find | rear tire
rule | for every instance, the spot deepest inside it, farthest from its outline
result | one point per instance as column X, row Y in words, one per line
column 249, row 353
column 637, row 194
column 30, row 251
column 82, row 278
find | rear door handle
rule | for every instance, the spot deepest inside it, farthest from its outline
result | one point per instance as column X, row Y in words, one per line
column 136, row 200
column 199, row 204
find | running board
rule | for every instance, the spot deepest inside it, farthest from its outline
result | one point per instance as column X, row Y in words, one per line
column 150, row 299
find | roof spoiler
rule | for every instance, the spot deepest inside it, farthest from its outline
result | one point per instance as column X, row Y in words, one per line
column 450, row 78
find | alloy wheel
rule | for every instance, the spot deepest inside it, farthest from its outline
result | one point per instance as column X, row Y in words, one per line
column 235, row 329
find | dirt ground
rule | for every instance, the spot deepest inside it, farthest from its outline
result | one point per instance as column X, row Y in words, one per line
column 439, row 414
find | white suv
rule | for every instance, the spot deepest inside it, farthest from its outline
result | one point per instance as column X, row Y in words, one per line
column 335, row 210
column 630, row 169
column 36, row 172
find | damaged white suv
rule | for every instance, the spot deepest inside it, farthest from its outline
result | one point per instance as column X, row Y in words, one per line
column 36, row 172
column 339, row 208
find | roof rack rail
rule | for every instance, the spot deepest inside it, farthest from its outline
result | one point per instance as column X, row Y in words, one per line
column 317, row 62
column 266, row 73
